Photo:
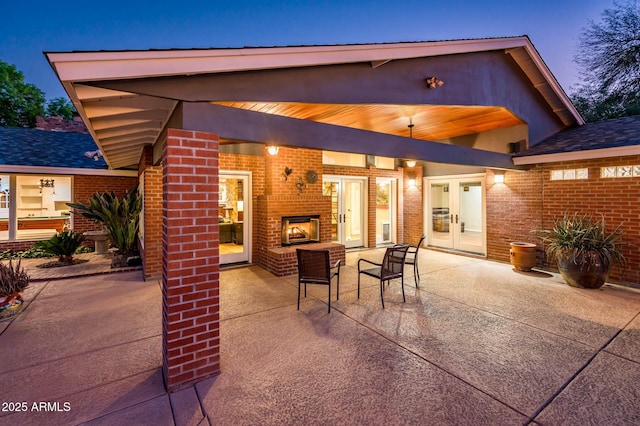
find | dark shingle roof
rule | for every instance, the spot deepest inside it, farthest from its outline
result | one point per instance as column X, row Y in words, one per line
column 33, row 147
column 617, row 132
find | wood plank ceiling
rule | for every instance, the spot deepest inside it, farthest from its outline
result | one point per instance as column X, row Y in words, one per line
column 430, row 122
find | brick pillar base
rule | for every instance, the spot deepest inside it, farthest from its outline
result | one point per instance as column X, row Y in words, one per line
column 190, row 261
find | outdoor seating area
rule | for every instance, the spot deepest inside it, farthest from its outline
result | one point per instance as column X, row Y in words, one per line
column 476, row 343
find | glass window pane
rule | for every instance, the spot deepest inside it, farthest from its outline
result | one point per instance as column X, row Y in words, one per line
column 4, row 207
column 385, row 163
column 42, row 206
column 343, row 159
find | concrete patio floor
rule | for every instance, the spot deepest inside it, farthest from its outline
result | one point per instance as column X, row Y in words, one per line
column 477, row 343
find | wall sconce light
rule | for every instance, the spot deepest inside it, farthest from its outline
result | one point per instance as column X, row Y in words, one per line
column 47, row 183
column 273, row 149
column 412, row 183
column 498, row 178
column 433, row 82
column 411, row 163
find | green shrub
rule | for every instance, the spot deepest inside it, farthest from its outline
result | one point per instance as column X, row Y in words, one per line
column 13, row 279
column 63, row 245
column 577, row 234
column 118, row 217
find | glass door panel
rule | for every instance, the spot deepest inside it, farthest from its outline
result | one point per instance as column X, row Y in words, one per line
column 440, row 223
column 330, row 189
column 384, row 211
column 234, row 217
column 353, row 218
column 347, row 209
column 470, row 229
column 456, row 214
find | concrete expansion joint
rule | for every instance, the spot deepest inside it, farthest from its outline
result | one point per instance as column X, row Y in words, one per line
column 578, row 372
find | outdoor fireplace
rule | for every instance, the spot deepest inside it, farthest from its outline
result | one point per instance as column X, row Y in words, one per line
column 300, row 230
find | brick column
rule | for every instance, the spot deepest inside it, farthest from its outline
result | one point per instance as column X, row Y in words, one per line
column 190, row 258
column 152, row 245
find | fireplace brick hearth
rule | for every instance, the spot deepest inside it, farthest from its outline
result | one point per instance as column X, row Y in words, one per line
column 284, row 198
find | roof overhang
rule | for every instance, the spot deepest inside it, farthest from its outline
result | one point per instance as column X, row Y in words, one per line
column 122, row 122
column 622, row 151
column 4, row 168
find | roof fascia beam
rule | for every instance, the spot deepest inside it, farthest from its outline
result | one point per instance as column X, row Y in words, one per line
column 285, row 131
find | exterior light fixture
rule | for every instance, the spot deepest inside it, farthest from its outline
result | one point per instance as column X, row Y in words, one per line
column 47, row 183
column 433, row 82
column 93, row 154
column 411, row 163
column 273, row 149
column 498, row 178
column 412, row 183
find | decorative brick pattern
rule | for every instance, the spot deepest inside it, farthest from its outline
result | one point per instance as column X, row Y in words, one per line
column 191, row 271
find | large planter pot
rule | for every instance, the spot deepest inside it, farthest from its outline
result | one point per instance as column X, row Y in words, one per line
column 584, row 270
column 523, row 256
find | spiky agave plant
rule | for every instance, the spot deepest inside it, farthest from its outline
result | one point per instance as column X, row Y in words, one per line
column 118, row 216
column 13, row 278
column 63, row 245
column 576, row 235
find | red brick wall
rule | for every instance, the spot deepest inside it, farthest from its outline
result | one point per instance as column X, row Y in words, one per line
column 514, row 210
column 151, row 247
column 282, row 198
column 530, row 200
column 413, row 206
column 85, row 186
column 191, row 270
column 151, row 252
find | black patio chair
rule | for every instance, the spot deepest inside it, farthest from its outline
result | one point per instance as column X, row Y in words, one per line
column 412, row 259
column 314, row 267
column 392, row 267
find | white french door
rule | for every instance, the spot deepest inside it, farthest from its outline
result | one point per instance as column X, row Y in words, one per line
column 347, row 209
column 234, row 216
column 455, row 213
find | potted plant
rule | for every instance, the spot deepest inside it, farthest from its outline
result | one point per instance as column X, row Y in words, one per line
column 63, row 245
column 13, row 280
column 119, row 218
column 583, row 249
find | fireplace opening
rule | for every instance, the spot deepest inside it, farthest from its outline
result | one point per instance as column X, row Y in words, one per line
column 300, row 230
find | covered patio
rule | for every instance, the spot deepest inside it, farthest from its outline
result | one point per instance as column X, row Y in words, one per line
column 477, row 343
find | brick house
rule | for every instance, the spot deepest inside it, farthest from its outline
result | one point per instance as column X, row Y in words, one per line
column 243, row 153
column 43, row 168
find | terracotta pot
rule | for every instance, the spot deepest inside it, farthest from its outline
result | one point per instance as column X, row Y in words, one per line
column 523, row 256
column 589, row 270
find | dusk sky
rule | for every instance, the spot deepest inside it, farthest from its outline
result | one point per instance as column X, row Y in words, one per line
column 29, row 28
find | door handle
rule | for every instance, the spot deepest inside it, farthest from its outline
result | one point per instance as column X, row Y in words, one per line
column 456, row 218
column 451, row 217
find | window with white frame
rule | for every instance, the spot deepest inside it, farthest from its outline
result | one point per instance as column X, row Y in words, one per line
column 385, row 163
column 40, row 208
